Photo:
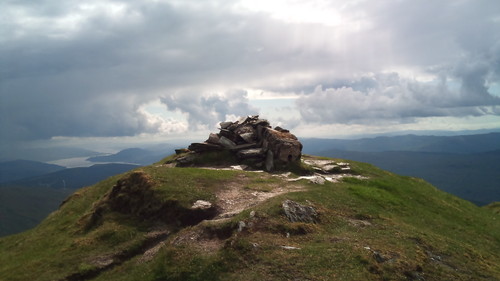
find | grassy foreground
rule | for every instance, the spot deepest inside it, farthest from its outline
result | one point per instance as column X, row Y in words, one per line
column 382, row 227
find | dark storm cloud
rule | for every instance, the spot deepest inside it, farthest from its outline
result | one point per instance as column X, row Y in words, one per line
column 91, row 82
column 73, row 70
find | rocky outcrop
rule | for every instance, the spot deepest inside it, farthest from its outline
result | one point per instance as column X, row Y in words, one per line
column 296, row 212
column 252, row 139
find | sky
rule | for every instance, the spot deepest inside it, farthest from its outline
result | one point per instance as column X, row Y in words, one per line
column 99, row 71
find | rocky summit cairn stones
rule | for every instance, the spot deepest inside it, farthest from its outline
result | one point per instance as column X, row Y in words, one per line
column 254, row 140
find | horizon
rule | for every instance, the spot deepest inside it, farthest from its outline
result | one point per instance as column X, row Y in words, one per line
column 103, row 147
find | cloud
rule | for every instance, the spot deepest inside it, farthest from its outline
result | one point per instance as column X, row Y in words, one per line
column 68, row 115
column 90, row 78
column 207, row 110
column 390, row 98
column 155, row 124
column 83, row 69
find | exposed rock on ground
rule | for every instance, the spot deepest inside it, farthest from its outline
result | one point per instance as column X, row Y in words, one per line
column 296, row 212
column 328, row 166
column 201, row 204
column 325, row 171
column 237, row 198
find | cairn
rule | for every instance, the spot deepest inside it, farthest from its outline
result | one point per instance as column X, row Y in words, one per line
column 253, row 139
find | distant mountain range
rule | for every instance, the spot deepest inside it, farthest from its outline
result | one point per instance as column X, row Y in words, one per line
column 74, row 178
column 133, row 155
column 20, row 169
column 441, row 144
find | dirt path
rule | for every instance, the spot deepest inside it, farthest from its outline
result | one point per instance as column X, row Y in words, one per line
column 236, row 198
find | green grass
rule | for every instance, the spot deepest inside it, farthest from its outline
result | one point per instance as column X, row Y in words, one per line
column 188, row 184
column 262, row 182
column 417, row 229
column 59, row 235
column 495, row 207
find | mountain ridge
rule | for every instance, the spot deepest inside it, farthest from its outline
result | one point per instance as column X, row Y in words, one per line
column 130, row 155
column 452, row 144
column 73, row 178
column 19, row 169
column 372, row 225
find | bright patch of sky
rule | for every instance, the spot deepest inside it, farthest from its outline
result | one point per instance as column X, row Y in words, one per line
column 275, row 109
column 159, row 110
column 494, row 89
column 296, row 11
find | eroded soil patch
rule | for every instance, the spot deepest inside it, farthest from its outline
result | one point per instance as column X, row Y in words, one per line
column 237, row 196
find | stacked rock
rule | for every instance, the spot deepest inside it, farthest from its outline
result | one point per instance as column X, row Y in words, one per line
column 254, row 139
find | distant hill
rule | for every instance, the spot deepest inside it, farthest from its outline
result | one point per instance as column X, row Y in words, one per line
column 19, row 169
column 441, row 144
column 131, row 155
column 22, row 208
column 74, row 178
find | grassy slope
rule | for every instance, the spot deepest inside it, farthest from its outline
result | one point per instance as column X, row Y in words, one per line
column 418, row 231
column 473, row 176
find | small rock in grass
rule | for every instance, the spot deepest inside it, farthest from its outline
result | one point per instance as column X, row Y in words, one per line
column 202, row 205
column 241, row 226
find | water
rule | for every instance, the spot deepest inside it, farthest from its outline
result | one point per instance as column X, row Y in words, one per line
column 74, row 162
